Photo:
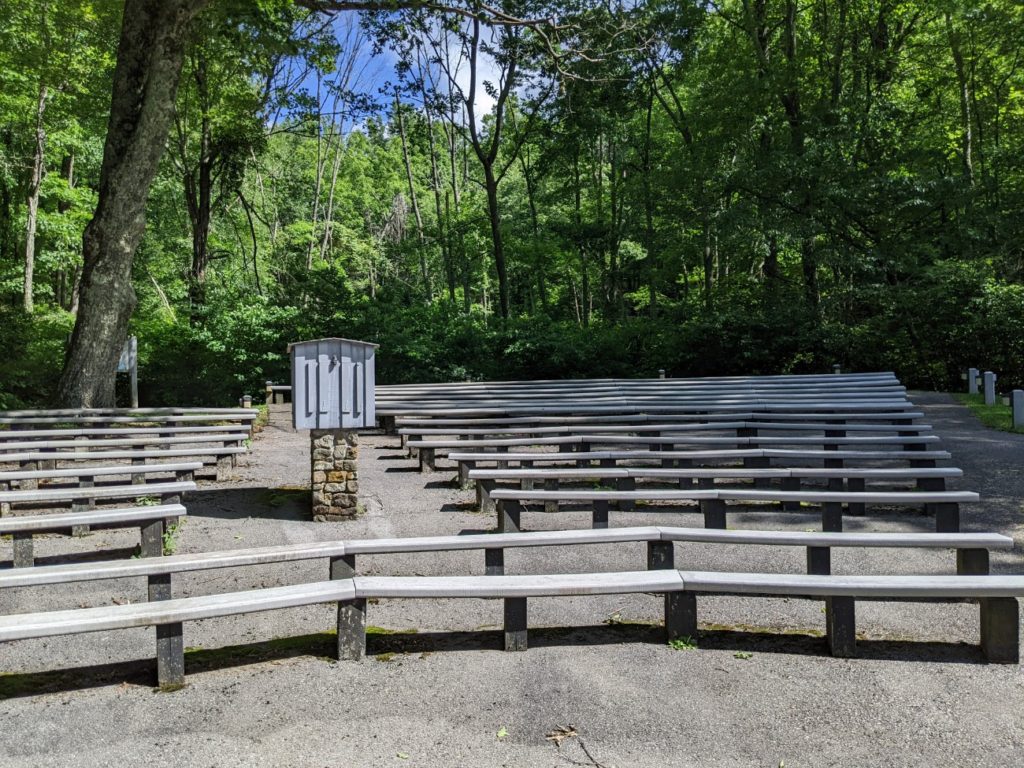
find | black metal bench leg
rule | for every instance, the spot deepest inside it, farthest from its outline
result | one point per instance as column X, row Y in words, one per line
column 600, row 515
column 515, row 624
column 841, row 626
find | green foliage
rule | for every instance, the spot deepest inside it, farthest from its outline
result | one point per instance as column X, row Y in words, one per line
column 714, row 209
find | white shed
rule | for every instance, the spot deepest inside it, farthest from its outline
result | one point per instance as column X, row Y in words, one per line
column 332, row 384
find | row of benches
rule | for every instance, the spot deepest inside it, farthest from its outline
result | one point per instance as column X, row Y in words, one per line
column 996, row 593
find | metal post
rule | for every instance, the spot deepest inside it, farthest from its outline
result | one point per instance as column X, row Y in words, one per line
column 972, row 381
column 1017, row 406
column 836, row 369
column 661, row 373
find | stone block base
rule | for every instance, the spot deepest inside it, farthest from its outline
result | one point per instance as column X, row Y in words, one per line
column 334, row 474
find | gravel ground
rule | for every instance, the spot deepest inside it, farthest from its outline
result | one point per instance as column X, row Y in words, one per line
column 441, row 693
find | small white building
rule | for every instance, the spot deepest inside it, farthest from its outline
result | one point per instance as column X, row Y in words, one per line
column 332, row 384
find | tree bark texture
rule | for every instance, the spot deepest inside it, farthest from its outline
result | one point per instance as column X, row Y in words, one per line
column 149, row 63
column 34, row 185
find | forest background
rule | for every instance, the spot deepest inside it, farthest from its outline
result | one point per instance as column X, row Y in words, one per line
column 734, row 187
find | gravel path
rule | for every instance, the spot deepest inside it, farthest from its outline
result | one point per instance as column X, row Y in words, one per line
column 918, row 695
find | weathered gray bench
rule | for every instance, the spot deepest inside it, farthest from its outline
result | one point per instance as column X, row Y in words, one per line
column 351, row 592
column 86, row 475
column 86, row 496
column 223, row 457
column 943, row 505
column 753, row 458
column 853, row 479
column 151, row 522
column 429, row 449
column 232, row 439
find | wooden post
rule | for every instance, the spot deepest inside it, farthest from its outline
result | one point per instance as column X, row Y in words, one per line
column 351, row 614
column 989, row 380
column 515, row 624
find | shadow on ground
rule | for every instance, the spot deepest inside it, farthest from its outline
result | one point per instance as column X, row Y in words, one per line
column 385, row 645
column 262, row 503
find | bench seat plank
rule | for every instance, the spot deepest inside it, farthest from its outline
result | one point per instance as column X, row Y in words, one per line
column 97, row 519
column 174, row 611
column 34, row 445
column 518, row 586
column 870, row 497
column 84, row 471
column 95, row 492
column 855, row 586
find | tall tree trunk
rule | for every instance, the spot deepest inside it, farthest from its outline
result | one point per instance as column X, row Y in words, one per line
column 652, row 265
column 424, row 274
column 34, row 184
column 149, row 61
column 494, row 214
column 964, row 91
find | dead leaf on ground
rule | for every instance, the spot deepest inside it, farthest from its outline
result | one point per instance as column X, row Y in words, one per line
column 561, row 733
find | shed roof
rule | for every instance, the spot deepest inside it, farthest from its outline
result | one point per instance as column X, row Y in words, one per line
column 333, row 338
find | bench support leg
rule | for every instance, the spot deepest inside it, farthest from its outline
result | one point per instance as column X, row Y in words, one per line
column 599, row 516
column 223, row 468
column 464, row 467
column 714, row 513
column 509, row 513
column 970, row 562
column 841, row 626
column 23, row 554
column 947, row 517
column 660, row 556
column 351, row 614
column 494, row 562
column 819, row 560
column 551, row 506
column 680, row 615
column 526, row 484
column 626, row 484
column 832, row 516
column 1000, row 627
column 352, row 630
column 515, row 623
column 856, row 485
column 427, row 460
column 483, row 495
column 791, row 484
column 170, row 639
column 152, row 539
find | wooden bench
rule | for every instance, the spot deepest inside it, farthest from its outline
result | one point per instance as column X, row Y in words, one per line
column 87, row 475
column 351, row 591
column 754, row 458
column 231, row 439
column 428, row 449
column 223, row 457
column 625, row 477
column 85, row 497
column 151, row 522
column 943, row 505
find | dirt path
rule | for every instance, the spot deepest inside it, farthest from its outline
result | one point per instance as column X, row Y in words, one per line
column 439, row 696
